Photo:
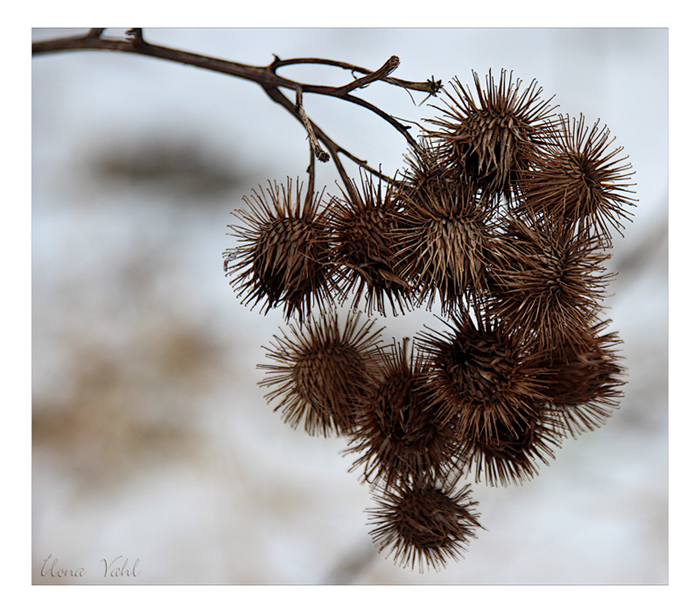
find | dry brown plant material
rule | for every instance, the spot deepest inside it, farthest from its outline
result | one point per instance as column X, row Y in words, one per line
column 396, row 437
column 363, row 228
column 424, row 525
column 427, row 174
column 579, row 181
column 322, row 374
column 511, row 454
column 504, row 213
column 495, row 134
column 584, row 379
column 480, row 379
column 284, row 252
column 444, row 237
column 546, row 281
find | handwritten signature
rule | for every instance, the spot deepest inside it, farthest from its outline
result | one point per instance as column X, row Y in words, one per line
column 117, row 567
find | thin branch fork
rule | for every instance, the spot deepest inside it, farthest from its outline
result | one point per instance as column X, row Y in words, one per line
column 334, row 150
column 430, row 86
column 267, row 78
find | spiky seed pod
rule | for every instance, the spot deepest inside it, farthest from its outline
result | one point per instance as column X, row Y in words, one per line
column 322, row 374
column 494, row 136
column 424, row 525
column 579, row 181
column 511, row 454
column 284, row 251
column 445, row 240
column 546, row 281
column 427, row 173
column 584, row 380
column 396, row 436
column 362, row 225
column 479, row 377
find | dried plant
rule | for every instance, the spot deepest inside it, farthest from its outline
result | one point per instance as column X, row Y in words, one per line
column 421, row 523
column 444, row 237
column 363, row 229
column 584, row 379
column 284, row 256
column 495, row 135
column 427, row 174
column 395, row 436
column 323, row 374
column 546, row 281
column 480, row 377
column 578, row 181
column 512, row 452
column 504, row 214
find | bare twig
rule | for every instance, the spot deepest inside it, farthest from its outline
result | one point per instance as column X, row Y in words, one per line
column 276, row 95
column 431, row 86
column 269, row 80
column 389, row 66
column 315, row 147
column 136, row 36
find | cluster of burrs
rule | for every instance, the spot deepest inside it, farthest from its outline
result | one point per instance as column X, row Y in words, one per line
column 503, row 215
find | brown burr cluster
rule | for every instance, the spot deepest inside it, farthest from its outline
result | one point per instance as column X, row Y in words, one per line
column 503, row 216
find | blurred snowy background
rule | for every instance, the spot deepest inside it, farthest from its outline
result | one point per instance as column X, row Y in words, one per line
column 151, row 439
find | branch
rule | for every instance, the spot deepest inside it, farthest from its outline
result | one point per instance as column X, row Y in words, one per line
column 315, row 147
column 431, row 86
column 333, row 148
column 389, row 66
column 265, row 76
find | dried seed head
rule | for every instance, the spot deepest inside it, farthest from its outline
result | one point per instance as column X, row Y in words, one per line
column 584, row 381
column 510, row 454
column 395, row 435
column 578, row 181
column 423, row 524
column 427, row 173
column 504, row 214
column 322, row 374
column 479, row 378
column 284, row 251
column 497, row 134
column 546, row 281
column 365, row 253
column 445, row 238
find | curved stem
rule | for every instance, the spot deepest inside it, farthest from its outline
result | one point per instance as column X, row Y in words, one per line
column 311, row 171
column 431, row 86
column 265, row 76
column 313, row 142
column 276, row 95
